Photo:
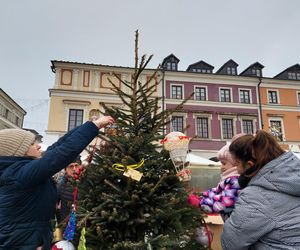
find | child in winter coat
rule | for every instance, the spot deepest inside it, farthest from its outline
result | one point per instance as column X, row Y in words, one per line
column 220, row 199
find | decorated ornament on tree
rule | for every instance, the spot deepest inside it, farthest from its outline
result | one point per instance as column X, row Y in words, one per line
column 177, row 144
column 63, row 245
column 70, row 229
column 69, row 232
column 183, row 241
column 130, row 170
column 77, row 172
column 203, row 236
column 82, row 240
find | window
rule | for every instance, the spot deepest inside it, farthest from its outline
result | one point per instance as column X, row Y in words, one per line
column 227, row 128
column 171, row 66
column 202, row 127
column 225, row 95
column 276, row 129
column 177, row 123
column 256, row 72
column 244, row 96
column 298, row 96
column 6, row 113
column 272, row 96
column 17, row 121
column 293, row 75
column 75, row 118
column 205, row 70
column 176, row 92
column 231, row 71
column 200, row 93
column 247, row 126
column 1, row 110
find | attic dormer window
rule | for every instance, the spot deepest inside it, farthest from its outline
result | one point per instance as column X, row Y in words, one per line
column 294, row 76
column 204, row 70
column 171, row 66
column 256, row 72
column 231, row 71
column 201, row 70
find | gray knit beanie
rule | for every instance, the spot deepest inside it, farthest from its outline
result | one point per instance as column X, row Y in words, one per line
column 15, row 142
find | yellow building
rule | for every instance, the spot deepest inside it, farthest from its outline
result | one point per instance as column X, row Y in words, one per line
column 11, row 113
column 78, row 90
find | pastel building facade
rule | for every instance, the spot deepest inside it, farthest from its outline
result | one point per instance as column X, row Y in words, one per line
column 78, row 91
column 11, row 113
column 280, row 104
column 223, row 104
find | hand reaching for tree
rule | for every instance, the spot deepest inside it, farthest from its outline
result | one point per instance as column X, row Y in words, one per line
column 103, row 121
column 194, row 200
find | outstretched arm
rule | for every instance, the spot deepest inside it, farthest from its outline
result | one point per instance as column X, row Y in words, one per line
column 63, row 154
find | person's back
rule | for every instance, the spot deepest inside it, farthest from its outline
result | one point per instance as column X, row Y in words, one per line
column 267, row 212
column 28, row 194
column 25, row 206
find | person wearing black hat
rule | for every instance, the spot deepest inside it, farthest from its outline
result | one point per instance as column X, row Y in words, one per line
column 65, row 191
column 28, row 194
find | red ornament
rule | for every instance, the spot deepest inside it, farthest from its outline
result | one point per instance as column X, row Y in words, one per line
column 77, row 172
column 54, row 247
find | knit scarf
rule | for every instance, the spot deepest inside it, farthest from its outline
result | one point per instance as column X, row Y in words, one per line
column 229, row 173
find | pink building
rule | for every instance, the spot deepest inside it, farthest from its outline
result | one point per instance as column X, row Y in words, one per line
column 223, row 103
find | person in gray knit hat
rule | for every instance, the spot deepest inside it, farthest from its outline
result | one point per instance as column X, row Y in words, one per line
column 28, row 194
column 15, row 142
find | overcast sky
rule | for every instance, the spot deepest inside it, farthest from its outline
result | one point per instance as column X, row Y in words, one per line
column 34, row 32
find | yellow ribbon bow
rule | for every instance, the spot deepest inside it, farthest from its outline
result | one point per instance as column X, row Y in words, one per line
column 122, row 167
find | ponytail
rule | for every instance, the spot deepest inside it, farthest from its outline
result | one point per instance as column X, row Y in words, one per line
column 260, row 149
column 265, row 148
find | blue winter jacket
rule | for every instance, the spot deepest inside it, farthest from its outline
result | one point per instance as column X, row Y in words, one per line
column 267, row 212
column 28, row 195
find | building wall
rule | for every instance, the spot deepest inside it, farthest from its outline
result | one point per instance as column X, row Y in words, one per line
column 287, row 109
column 11, row 114
column 212, row 107
column 291, row 123
column 85, row 86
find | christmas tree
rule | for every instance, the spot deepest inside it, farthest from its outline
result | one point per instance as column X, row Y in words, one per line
column 129, row 196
